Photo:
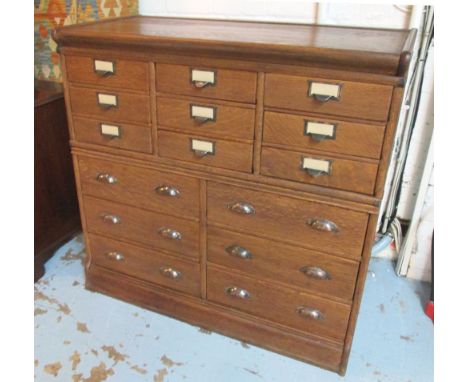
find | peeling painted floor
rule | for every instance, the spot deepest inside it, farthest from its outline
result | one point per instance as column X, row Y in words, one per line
column 81, row 336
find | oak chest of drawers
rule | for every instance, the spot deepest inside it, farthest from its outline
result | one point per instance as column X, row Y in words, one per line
column 230, row 173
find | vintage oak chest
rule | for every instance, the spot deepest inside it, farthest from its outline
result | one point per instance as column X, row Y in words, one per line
column 230, row 173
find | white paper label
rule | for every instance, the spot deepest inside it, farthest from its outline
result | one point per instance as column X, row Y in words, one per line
column 202, row 146
column 202, row 112
column 316, row 164
column 320, row 128
column 324, row 89
column 107, row 99
column 104, row 66
column 203, row 76
column 110, row 130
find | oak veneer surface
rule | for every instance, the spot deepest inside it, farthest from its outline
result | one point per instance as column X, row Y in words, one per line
column 234, row 234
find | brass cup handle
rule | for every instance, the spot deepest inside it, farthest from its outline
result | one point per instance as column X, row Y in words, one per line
column 167, row 191
column 307, row 312
column 242, row 208
column 238, row 251
column 169, row 233
column 315, row 272
column 323, row 225
column 202, row 120
column 200, row 84
column 200, row 153
column 112, row 219
column 115, row 256
column 316, row 173
column 106, row 178
column 324, row 98
column 104, row 73
column 104, row 106
column 237, row 292
column 170, row 273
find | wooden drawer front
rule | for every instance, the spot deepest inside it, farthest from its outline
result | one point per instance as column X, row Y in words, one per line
column 188, row 116
column 234, row 85
column 277, row 303
column 225, row 154
column 294, row 221
column 129, row 107
column 152, row 266
column 150, row 189
column 360, row 100
column 343, row 174
column 148, row 228
column 116, row 135
column 132, row 75
column 305, row 132
column 303, row 268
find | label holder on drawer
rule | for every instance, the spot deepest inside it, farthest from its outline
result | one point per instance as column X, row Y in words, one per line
column 107, row 100
column 324, row 92
column 316, row 167
column 104, row 68
column 319, row 131
column 202, row 148
column 202, row 113
column 110, row 131
column 201, row 78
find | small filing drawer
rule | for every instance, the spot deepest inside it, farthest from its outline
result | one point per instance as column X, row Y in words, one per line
column 320, row 169
column 313, row 225
column 116, row 135
column 299, row 310
column 225, row 84
column 261, row 258
column 140, row 226
column 210, row 119
column 206, row 151
column 314, row 133
column 114, row 73
column 159, row 191
column 341, row 98
column 153, row 266
column 108, row 105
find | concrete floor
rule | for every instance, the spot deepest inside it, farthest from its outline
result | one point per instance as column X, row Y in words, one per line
column 81, row 336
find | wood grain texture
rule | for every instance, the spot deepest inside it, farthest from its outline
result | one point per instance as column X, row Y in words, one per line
column 127, row 74
column 286, row 219
column 131, row 107
column 232, row 85
column 141, row 227
column 137, row 186
column 263, row 295
column 132, row 137
column 351, row 175
column 230, row 121
column 359, row 100
column 145, row 264
column 357, row 139
column 229, row 155
column 279, row 262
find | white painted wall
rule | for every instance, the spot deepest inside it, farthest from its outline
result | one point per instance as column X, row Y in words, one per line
column 311, row 12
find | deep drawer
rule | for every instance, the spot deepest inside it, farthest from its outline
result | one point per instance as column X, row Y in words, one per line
column 210, row 119
column 298, row 310
column 150, row 189
column 116, row 135
column 303, row 268
column 110, row 105
column 305, row 132
column 343, row 98
column 319, row 169
column 114, row 73
column 219, row 152
column 233, row 85
column 314, row 225
column 153, row 266
column 140, row 226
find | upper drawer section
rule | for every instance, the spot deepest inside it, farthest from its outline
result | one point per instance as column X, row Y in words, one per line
column 150, row 189
column 343, row 98
column 110, row 105
column 233, row 85
column 132, row 75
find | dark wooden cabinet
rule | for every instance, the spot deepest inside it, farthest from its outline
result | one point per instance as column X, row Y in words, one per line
column 230, row 173
column 56, row 213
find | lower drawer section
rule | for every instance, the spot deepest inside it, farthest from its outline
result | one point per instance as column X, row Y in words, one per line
column 148, row 228
column 153, row 266
column 297, row 310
